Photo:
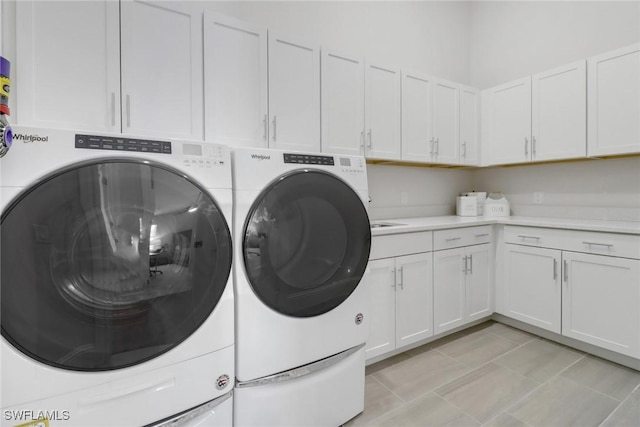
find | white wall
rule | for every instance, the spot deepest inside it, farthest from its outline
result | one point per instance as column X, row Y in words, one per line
column 432, row 37
column 512, row 39
column 429, row 191
column 590, row 189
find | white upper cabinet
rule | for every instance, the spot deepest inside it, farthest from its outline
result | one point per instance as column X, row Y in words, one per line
column 446, row 121
column 235, row 82
column 382, row 112
column 559, row 120
column 469, row 126
column 614, row 102
column 342, row 104
column 162, row 68
column 294, row 94
column 67, row 72
column 537, row 118
column 417, row 137
column 507, row 121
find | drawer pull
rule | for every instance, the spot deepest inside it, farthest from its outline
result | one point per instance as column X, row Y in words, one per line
column 482, row 235
column 555, row 269
column 452, row 239
column 608, row 245
column 524, row 237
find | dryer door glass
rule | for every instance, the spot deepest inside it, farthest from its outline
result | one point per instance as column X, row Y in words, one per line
column 306, row 243
column 110, row 264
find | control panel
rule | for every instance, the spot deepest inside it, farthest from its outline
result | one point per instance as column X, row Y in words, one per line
column 96, row 142
column 308, row 159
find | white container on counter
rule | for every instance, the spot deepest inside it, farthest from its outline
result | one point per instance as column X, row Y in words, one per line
column 466, row 206
column 496, row 205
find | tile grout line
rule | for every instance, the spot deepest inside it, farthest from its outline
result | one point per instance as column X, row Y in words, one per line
column 617, row 407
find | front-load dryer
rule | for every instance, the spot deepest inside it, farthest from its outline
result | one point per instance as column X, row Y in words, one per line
column 302, row 241
column 117, row 299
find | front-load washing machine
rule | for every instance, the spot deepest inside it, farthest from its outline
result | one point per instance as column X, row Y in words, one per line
column 116, row 292
column 302, row 240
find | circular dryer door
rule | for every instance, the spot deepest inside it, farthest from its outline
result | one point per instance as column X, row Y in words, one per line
column 306, row 243
column 107, row 265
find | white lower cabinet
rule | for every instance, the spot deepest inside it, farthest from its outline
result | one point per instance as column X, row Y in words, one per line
column 461, row 290
column 583, row 285
column 400, row 292
column 533, row 291
column 601, row 301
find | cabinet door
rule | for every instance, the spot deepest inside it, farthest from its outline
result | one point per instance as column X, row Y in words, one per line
column 448, row 289
column 382, row 112
column 559, row 116
column 532, row 285
column 417, row 140
column 235, row 82
column 294, row 94
column 380, row 280
column 162, row 68
column 68, row 63
column 601, row 301
column 446, row 123
column 414, row 298
column 508, row 123
column 342, row 104
column 479, row 297
column 469, row 126
column 614, row 102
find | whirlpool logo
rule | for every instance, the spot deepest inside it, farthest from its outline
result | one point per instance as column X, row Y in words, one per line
column 26, row 138
column 260, row 157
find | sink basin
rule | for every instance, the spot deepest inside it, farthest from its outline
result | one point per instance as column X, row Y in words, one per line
column 384, row 224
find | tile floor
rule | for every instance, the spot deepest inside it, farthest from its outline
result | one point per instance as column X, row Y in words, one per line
column 495, row 375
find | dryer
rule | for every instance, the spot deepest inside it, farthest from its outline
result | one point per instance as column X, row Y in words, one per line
column 302, row 242
column 117, row 299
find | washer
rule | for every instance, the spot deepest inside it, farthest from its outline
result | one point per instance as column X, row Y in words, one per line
column 117, row 297
column 302, row 242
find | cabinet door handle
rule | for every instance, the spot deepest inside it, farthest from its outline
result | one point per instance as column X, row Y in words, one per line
column 555, row 269
column 452, row 239
column 464, row 149
column 526, row 146
column 466, row 265
column 525, row 237
column 431, row 145
column 482, row 235
column 369, row 144
column 533, row 146
column 113, row 108
column 437, row 147
column 394, row 277
column 362, row 141
column 607, row 245
column 274, row 128
column 401, row 282
column 565, row 267
column 128, row 107
column 470, row 264
column 264, row 128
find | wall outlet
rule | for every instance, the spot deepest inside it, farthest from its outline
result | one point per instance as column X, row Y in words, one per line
column 404, row 197
column 538, row 197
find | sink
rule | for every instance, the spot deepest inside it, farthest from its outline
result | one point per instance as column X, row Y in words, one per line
column 385, row 224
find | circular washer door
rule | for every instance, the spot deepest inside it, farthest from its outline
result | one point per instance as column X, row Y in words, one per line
column 107, row 265
column 306, row 243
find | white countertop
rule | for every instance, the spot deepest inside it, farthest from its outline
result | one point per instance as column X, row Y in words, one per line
column 409, row 225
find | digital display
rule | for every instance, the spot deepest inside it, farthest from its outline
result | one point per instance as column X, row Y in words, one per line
column 192, row 149
column 308, row 159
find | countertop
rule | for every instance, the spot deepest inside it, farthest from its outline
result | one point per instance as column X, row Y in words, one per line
column 409, row 225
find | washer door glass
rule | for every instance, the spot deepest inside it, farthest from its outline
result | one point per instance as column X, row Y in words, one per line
column 306, row 243
column 110, row 264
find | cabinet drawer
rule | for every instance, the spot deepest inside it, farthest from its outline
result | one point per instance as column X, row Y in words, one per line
column 619, row 245
column 458, row 237
column 392, row 245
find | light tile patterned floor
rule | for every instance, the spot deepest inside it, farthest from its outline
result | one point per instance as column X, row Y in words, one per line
column 495, row 375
